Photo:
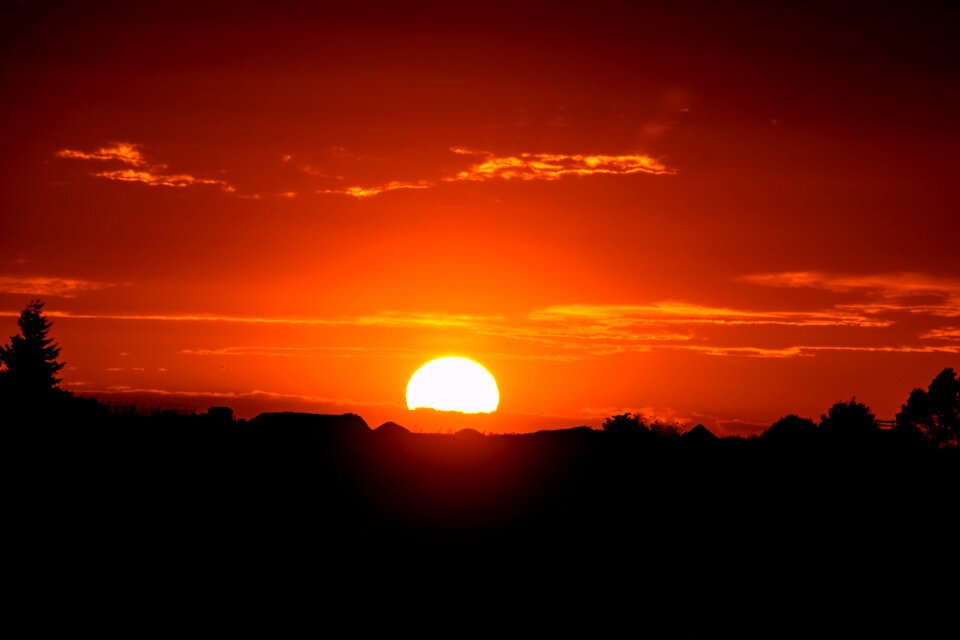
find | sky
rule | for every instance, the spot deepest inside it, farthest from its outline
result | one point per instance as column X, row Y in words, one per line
column 701, row 213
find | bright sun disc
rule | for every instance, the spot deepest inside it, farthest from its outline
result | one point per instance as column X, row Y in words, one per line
column 453, row 384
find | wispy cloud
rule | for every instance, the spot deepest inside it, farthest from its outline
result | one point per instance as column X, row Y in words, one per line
column 351, row 352
column 810, row 350
column 394, row 319
column 889, row 284
column 157, row 179
column 570, row 332
column 368, row 192
column 523, row 166
column 943, row 333
column 123, row 152
column 135, row 166
column 129, row 390
column 567, row 340
column 305, row 352
column 424, row 319
column 49, row 286
column 685, row 313
column 890, row 293
column 279, row 195
column 178, row 317
column 138, row 168
column 554, row 166
column 580, row 331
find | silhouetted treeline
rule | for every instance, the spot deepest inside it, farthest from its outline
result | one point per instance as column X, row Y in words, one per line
column 697, row 521
column 685, row 520
column 390, row 480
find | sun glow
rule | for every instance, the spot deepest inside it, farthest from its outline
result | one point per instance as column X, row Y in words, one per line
column 453, row 384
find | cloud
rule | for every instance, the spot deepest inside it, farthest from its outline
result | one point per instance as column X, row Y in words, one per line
column 596, row 339
column 123, row 152
column 306, row 352
column 943, row 333
column 424, row 319
column 906, row 292
column 155, row 179
column 567, row 341
column 685, row 313
column 948, row 307
column 385, row 318
column 570, row 331
column 176, row 317
column 553, row 166
column 810, row 350
column 49, row 286
column 123, row 389
column 354, row 352
column 138, row 169
column 280, row 195
column 581, row 331
column 891, row 284
column 524, row 166
column 368, row 192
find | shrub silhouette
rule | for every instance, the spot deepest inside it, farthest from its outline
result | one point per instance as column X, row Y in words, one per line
column 933, row 415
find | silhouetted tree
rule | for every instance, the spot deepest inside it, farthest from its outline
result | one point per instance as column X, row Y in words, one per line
column 29, row 362
column 790, row 428
column 849, row 420
column 933, row 415
column 625, row 423
column 667, row 429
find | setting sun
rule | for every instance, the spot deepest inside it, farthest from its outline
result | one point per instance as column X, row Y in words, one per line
column 453, row 384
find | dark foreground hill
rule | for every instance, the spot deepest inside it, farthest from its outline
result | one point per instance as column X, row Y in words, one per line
column 697, row 519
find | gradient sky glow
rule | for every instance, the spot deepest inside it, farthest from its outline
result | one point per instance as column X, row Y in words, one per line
column 702, row 213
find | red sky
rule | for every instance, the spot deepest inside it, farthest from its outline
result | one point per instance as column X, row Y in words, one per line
column 716, row 215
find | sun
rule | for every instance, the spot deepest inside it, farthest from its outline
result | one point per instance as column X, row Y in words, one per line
column 453, row 384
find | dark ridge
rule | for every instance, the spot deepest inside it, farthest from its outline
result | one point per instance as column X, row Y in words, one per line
column 318, row 423
column 310, row 419
column 564, row 432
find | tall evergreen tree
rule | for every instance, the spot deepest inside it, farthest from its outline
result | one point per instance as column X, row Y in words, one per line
column 29, row 363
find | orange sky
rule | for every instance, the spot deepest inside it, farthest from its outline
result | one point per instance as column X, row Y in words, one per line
column 715, row 215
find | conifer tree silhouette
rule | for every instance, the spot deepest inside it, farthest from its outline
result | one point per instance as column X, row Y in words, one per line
column 29, row 362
